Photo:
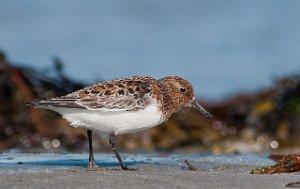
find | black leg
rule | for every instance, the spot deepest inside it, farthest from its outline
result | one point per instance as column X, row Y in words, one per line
column 112, row 144
column 92, row 163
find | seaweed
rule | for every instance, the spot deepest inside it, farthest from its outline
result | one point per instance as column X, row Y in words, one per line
column 286, row 164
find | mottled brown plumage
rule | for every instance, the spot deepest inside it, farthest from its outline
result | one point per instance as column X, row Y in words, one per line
column 130, row 94
column 176, row 93
column 124, row 106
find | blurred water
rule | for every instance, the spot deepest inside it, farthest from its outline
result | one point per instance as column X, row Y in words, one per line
column 27, row 162
column 73, row 159
column 220, row 46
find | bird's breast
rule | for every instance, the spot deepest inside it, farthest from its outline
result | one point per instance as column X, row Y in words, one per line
column 118, row 122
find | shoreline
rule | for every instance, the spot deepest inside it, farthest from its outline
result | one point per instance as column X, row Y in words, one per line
column 154, row 171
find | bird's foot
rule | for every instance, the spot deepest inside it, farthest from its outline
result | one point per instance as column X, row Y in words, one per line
column 125, row 168
column 92, row 165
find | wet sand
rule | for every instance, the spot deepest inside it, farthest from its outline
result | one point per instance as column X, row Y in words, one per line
column 151, row 175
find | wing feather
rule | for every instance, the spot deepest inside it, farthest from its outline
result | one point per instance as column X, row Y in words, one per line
column 126, row 94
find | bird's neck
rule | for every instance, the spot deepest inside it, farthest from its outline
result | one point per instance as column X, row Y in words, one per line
column 169, row 104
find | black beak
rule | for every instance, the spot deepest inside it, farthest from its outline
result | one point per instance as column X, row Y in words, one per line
column 196, row 105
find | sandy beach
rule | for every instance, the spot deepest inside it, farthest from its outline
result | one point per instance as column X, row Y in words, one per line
column 149, row 177
column 169, row 171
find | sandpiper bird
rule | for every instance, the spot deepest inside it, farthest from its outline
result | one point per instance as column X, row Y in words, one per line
column 123, row 106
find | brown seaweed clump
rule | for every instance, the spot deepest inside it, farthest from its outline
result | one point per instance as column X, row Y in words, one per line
column 286, row 164
column 22, row 127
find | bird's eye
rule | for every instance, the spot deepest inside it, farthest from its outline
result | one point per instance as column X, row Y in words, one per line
column 183, row 90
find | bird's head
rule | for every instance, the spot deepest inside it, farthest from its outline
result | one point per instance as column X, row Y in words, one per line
column 180, row 94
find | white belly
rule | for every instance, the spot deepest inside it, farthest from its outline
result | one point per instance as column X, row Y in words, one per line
column 110, row 122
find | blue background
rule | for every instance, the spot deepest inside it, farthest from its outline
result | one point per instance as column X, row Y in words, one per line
column 221, row 47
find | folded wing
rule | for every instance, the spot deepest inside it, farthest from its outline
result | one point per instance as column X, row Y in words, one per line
column 128, row 94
